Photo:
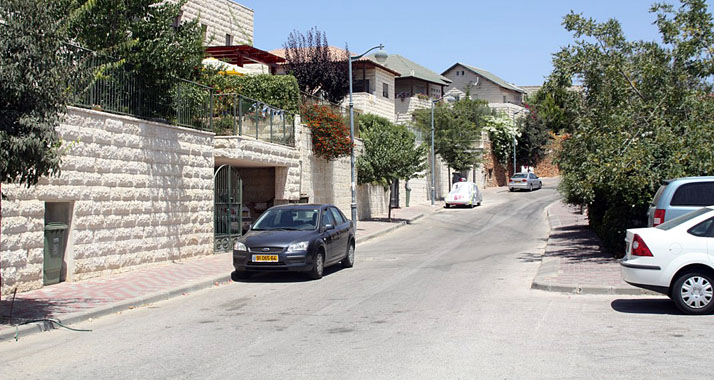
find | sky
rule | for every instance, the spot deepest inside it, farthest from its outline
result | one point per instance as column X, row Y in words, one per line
column 513, row 39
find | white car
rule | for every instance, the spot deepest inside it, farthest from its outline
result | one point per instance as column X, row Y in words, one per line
column 524, row 181
column 675, row 258
column 464, row 194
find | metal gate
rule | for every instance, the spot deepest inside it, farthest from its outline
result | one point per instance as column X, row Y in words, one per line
column 228, row 207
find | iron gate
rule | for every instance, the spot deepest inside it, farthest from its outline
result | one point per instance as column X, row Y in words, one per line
column 228, row 207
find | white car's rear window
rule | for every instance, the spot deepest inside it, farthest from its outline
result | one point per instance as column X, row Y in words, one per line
column 668, row 225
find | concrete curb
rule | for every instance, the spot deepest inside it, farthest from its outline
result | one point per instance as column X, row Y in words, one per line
column 163, row 295
column 82, row 316
column 551, row 265
column 377, row 234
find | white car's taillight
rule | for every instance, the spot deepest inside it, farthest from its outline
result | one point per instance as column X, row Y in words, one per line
column 639, row 248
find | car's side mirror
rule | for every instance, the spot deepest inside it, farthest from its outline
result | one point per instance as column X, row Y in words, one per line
column 329, row 227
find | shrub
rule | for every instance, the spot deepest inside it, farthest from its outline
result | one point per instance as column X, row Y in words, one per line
column 330, row 135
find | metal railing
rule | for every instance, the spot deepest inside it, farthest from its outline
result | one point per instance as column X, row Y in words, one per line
column 115, row 89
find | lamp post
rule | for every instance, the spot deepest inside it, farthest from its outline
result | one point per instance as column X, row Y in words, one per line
column 380, row 56
column 448, row 98
column 513, row 117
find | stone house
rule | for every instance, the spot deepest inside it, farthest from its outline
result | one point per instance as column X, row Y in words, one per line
column 481, row 84
column 135, row 192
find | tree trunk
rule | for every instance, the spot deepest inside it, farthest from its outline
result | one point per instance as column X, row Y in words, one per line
column 389, row 214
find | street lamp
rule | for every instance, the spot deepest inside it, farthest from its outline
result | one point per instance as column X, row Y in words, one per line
column 380, row 56
column 513, row 117
column 448, row 98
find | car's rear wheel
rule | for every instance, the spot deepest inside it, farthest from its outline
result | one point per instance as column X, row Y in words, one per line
column 511, row 189
column 349, row 260
column 693, row 293
column 318, row 266
column 530, row 187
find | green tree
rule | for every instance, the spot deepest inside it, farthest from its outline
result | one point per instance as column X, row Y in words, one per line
column 535, row 131
column 457, row 127
column 35, row 65
column 147, row 39
column 644, row 113
column 390, row 153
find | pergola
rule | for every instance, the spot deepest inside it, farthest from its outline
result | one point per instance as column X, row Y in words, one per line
column 244, row 54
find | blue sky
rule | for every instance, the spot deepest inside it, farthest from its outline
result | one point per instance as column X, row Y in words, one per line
column 512, row 39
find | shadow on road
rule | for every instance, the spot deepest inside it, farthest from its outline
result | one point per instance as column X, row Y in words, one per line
column 21, row 310
column 283, row 277
column 661, row 306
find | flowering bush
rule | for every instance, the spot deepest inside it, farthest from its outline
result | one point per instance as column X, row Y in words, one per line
column 330, row 135
column 501, row 130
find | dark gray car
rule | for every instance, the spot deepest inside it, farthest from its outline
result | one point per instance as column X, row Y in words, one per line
column 296, row 237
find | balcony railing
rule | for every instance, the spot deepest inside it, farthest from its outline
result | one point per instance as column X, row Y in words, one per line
column 187, row 104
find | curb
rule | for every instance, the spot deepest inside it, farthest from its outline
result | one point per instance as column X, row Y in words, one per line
column 377, row 234
column 551, row 265
column 82, row 316
column 116, row 307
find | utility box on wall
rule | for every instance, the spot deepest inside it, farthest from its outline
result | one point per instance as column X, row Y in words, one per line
column 57, row 218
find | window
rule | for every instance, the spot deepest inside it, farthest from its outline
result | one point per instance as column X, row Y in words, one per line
column 694, row 194
column 360, row 85
column 229, row 40
column 337, row 216
column 385, row 90
column 703, row 229
column 504, row 98
column 204, row 30
column 462, row 73
column 327, row 218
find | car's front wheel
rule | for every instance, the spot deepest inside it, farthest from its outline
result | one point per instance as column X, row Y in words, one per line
column 349, row 260
column 318, row 266
column 693, row 293
column 239, row 275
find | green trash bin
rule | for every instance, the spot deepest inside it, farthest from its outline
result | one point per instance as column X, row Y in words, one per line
column 55, row 242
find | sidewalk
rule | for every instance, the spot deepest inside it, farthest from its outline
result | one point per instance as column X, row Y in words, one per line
column 573, row 261
column 74, row 302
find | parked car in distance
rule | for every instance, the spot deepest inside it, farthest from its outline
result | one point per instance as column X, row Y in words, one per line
column 464, row 194
column 679, row 196
column 524, row 181
column 295, row 237
column 675, row 258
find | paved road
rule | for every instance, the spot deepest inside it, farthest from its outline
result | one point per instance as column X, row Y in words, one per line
column 446, row 298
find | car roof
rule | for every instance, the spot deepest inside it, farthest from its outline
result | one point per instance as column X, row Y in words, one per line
column 688, row 179
column 303, row 205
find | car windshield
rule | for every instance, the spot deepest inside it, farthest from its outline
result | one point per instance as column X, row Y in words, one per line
column 668, row 225
column 298, row 219
column 519, row 176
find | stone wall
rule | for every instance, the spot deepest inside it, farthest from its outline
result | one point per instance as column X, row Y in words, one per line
column 138, row 192
column 405, row 107
column 374, row 104
column 221, row 17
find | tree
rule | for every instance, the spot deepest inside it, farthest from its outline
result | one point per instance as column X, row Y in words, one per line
column 534, row 130
column 146, row 39
column 457, row 127
column 644, row 114
column 320, row 70
column 35, row 65
column 390, row 153
column 502, row 132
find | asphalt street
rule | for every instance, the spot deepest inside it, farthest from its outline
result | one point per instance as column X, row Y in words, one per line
column 447, row 297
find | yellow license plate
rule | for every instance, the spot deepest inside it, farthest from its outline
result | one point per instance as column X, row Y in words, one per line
column 265, row 258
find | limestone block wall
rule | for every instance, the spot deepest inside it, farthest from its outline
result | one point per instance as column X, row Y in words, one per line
column 138, row 193
column 374, row 104
column 222, row 17
column 480, row 87
column 405, row 107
